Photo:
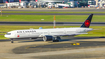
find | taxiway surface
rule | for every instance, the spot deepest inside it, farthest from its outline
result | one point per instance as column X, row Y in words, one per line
column 51, row 23
column 52, row 13
column 92, row 10
column 56, row 10
column 78, row 48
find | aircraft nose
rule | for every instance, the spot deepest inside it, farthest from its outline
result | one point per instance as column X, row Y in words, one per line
column 7, row 36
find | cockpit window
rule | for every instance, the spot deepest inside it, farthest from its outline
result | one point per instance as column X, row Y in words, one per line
column 8, row 34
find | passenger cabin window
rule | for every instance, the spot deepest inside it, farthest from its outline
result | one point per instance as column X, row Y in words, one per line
column 8, row 34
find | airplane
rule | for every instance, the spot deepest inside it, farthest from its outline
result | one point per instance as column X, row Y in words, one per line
column 52, row 34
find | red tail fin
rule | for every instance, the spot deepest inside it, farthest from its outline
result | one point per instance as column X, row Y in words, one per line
column 86, row 24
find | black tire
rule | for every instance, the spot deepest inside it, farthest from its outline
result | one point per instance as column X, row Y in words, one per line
column 11, row 40
column 55, row 40
column 58, row 37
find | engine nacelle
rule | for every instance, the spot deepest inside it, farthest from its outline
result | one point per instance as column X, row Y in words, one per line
column 47, row 38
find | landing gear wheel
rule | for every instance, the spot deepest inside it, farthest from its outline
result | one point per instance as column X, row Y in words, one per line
column 57, row 39
column 11, row 40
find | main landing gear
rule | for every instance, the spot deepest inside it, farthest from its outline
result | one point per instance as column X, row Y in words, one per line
column 57, row 39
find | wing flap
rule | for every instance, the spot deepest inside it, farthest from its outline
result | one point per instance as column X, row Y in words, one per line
column 73, row 34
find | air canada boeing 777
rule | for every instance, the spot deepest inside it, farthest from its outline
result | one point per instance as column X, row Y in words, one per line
column 52, row 34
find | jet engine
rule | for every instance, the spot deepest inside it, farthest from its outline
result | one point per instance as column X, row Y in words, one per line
column 51, row 38
column 48, row 38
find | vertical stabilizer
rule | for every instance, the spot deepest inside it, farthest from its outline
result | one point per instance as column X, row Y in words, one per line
column 87, row 22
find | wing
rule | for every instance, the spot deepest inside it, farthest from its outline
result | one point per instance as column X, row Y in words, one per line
column 65, row 34
column 71, row 34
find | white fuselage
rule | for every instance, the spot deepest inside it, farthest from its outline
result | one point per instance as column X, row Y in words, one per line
column 35, row 33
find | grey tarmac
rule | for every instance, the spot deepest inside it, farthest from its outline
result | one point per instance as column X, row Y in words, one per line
column 89, row 48
column 51, row 23
column 55, row 10
column 51, row 13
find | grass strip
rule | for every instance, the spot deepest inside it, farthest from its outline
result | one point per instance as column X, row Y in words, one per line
column 49, row 18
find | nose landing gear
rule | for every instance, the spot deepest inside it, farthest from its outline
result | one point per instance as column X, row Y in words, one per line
column 12, row 41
